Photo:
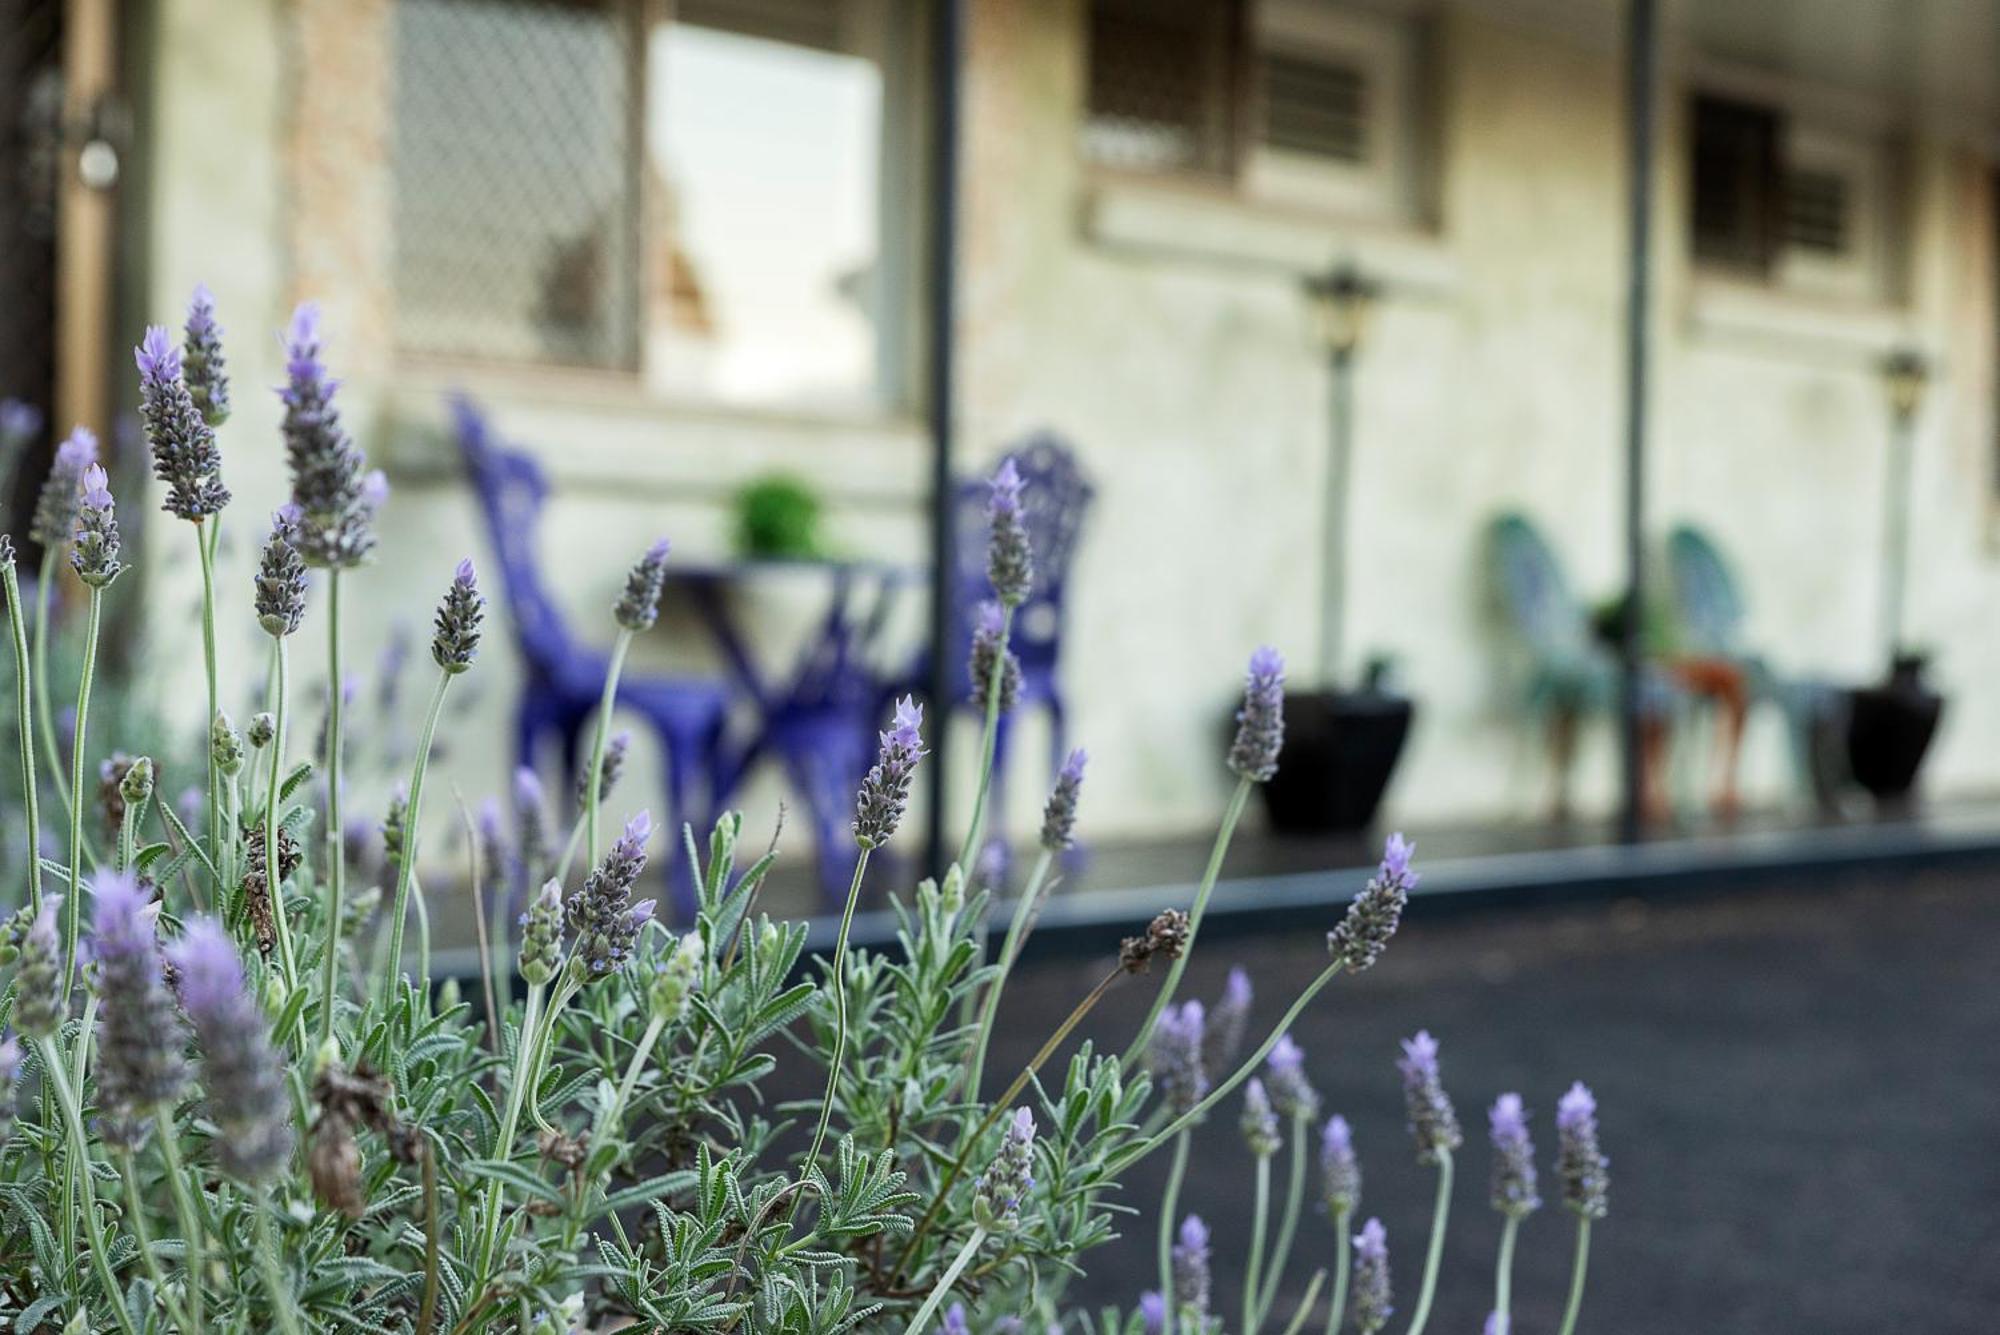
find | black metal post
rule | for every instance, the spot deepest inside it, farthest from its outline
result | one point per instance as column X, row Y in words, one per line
column 1642, row 91
column 947, row 39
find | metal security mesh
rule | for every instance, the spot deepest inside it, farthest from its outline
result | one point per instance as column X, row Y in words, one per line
column 517, row 180
column 1164, row 82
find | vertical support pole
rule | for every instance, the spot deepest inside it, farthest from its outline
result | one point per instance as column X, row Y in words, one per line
column 1333, row 520
column 1896, row 533
column 1642, row 92
column 85, row 236
column 947, row 38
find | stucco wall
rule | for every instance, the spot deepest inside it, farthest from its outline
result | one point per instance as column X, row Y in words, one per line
column 1491, row 377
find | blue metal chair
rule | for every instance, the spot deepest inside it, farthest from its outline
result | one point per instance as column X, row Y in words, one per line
column 562, row 679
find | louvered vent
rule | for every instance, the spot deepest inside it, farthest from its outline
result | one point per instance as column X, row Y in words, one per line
column 1816, row 211
column 1314, row 107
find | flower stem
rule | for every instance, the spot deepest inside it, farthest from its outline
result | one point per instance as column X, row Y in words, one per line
column 988, row 738
column 274, row 879
column 52, row 1067
column 427, row 1305
column 839, row 1021
column 1170, row 1202
column 406, row 864
column 1230, row 815
column 203, row 545
column 336, row 837
column 185, row 1211
column 1343, row 1261
column 950, row 1277
column 45, row 712
column 1576, row 1276
column 1432, row 1258
column 1305, row 1307
column 1288, row 1225
column 274, row 1275
column 135, row 1202
column 1259, row 1221
column 654, row 1027
column 594, row 779
column 72, row 909
column 1016, row 930
column 1503, row 1276
column 1216, row 1095
column 24, row 681
column 503, row 1144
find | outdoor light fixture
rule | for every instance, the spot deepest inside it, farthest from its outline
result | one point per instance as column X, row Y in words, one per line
column 1906, row 374
column 1342, row 300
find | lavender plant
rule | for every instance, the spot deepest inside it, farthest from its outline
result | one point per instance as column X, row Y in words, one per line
column 254, row 1114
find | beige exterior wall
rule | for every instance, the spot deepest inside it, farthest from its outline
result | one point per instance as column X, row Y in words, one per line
column 1125, row 315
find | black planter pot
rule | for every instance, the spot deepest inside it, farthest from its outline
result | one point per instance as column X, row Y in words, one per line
column 1889, row 730
column 1340, row 749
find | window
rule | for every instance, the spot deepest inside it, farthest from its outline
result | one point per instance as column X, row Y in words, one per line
column 716, row 204
column 1799, row 205
column 1286, row 101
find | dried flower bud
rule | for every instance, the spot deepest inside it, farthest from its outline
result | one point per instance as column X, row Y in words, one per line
column 181, row 438
column 1191, row 1272
column 1174, row 1056
column 675, row 979
column 456, row 639
column 243, row 1073
column 202, row 360
column 1377, row 910
column 1291, row 1092
column 990, row 653
column 1010, row 561
column 1228, row 1019
column 94, row 550
column 1259, row 1122
column 639, row 606
column 139, row 1035
column 1579, row 1160
column 615, row 749
column 541, row 934
column 263, row 729
column 1371, row 1278
column 1433, row 1124
column 1340, row 1171
column 601, row 916
column 260, row 905
column 1260, row 723
column 878, row 807
column 281, row 577
column 56, row 506
column 1165, row 936
column 1514, row 1193
column 38, row 976
column 998, row 1194
column 1059, row 816
column 7, row 558
column 225, row 744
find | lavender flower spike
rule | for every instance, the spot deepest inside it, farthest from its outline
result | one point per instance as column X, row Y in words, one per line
column 1340, row 1171
column 988, row 625
column 1514, row 1192
column 139, row 1034
column 1371, row 1278
column 1174, row 1057
column 954, row 1320
column 531, row 818
column 878, row 806
column 1260, row 723
column 1433, row 1124
column 1497, row 1323
column 1191, row 1271
column 20, row 422
column 94, row 553
column 639, row 606
column 202, row 361
column 1259, row 1123
column 1291, row 1093
column 38, row 976
column 600, row 915
column 10, row 1070
column 1007, row 1180
column 182, row 441
column 281, row 578
column 1152, row 1312
column 1377, row 909
column 54, row 521
column 1059, row 816
column 1223, row 1037
column 335, row 495
column 608, row 773
column 242, row 1072
column 1582, row 1165
column 1010, row 561
column 456, row 640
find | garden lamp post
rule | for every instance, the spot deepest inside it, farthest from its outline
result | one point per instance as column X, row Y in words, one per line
column 1342, row 301
column 1905, row 375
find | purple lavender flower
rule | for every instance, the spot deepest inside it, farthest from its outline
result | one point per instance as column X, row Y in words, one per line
column 639, row 606
column 55, row 508
column 1152, row 1312
column 243, row 1074
column 1059, row 816
column 1222, row 1039
column 1291, row 1093
column 1260, row 723
column 20, row 422
column 1513, row 1158
column 38, row 976
column 1191, row 1270
column 600, row 916
column 207, row 373
column 1579, row 1160
column 1377, row 909
column 1497, row 1323
column 140, row 1069
column 456, row 639
column 1433, row 1124
column 10, row 1071
column 94, row 552
column 281, row 578
column 878, row 806
column 1174, row 1057
column 1007, row 1180
column 1259, row 1123
column 335, row 495
column 531, row 824
column 182, row 441
column 541, row 934
column 954, row 1320
column 1010, row 560
column 988, row 653
column 1340, row 1171
column 1371, row 1278
column 615, row 749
